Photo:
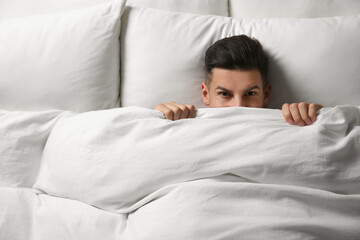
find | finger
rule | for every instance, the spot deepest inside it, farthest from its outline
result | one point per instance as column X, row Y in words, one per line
column 175, row 109
column 192, row 111
column 303, row 109
column 313, row 108
column 184, row 110
column 286, row 113
column 294, row 111
column 168, row 113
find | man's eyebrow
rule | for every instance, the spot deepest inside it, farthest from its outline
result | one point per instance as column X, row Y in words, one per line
column 252, row 88
column 222, row 88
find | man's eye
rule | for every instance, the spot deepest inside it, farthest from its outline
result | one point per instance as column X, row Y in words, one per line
column 251, row 93
column 224, row 94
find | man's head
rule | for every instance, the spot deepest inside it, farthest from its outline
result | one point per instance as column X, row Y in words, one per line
column 236, row 74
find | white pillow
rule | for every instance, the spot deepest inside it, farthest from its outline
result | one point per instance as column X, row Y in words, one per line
column 313, row 60
column 22, row 140
column 211, row 7
column 61, row 61
column 21, row 8
column 293, row 8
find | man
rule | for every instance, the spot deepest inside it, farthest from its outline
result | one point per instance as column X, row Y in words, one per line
column 236, row 76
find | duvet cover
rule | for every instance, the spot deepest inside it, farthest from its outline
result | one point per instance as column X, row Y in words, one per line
column 229, row 173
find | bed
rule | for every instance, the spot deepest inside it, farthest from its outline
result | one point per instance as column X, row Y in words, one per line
column 84, row 155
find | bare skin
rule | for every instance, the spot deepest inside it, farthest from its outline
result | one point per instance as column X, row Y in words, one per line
column 238, row 88
column 175, row 111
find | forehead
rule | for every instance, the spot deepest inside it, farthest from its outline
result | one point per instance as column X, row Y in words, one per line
column 235, row 79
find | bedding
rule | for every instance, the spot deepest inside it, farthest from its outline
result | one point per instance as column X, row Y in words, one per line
column 127, row 173
column 28, row 215
column 293, row 8
column 206, row 7
column 310, row 59
column 22, row 140
column 228, row 172
column 67, row 60
column 21, row 8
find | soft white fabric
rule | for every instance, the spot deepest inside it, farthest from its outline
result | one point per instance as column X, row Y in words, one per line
column 28, row 215
column 22, row 140
column 293, row 8
column 227, row 173
column 216, row 208
column 313, row 60
column 237, row 8
column 224, row 208
column 210, row 7
column 114, row 158
column 21, row 8
column 66, row 61
column 18, row 8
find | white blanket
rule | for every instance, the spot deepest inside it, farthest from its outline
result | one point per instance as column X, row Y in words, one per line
column 22, row 139
column 230, row 173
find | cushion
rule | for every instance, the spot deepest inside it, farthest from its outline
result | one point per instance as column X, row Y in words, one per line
column 66, row 60
column 21, row 8
column 211, row 7
column 313, row 60
column 293, row 8
column 16, row 8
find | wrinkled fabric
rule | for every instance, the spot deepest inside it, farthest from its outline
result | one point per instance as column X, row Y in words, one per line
column 131, row 174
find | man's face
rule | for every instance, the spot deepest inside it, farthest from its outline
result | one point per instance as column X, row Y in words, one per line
column 235, row 88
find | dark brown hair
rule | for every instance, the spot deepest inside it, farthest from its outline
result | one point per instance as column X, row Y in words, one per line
column 236, row 52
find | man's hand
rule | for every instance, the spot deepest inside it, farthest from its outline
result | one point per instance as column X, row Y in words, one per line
column 300, row 114
column 175, row 111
